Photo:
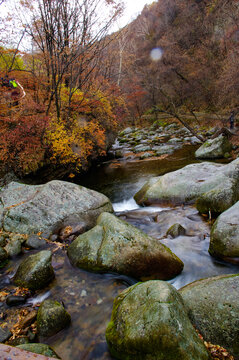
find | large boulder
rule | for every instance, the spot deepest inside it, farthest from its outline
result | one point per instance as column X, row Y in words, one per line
column 36, row 271
column 218, row 199
column 213, row 306
column 51, row 318
column 214, row 148
column 190, row 183
column 116, row 246
column 149, row 321
column 224, row 239
column 28, row 209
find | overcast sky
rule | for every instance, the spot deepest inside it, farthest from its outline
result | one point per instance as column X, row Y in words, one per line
column 132, row 9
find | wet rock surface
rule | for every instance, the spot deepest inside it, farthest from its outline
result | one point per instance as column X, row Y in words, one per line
column 36, row 271
column 114, row 245
column 213, row 307
column 51, row 318
column 149, row 321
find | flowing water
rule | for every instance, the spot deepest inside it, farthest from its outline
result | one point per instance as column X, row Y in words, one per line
column 88, row 297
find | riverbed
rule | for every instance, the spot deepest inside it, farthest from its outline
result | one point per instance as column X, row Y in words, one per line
column 88, row 297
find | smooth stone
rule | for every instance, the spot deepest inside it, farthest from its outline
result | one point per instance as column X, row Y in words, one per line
column 51, row 318
column 176, row 230
column 12, row 300
column 35, row 242
column 116, row 246
column 36, row 271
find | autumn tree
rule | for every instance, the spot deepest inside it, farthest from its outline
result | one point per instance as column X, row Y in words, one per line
column 70, row 35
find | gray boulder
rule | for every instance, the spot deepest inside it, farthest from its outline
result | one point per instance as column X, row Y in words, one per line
column 214, row 148
column 149, row 321
column 191, row 182
column 36, row 271
column 28, row 209
column 213, row 306
column 116, row 246
column 224, row 240
column 220, row 198
column 51, row 318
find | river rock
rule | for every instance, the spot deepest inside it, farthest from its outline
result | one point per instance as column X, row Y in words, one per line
column 213, row 305
column 38, row 348
column 3, row 256
column 35, row 242
column 214, row 148
column 5, row 334
column 220, row 198
column 149, row 321
column 189, row 183
column 28, row 209
column 176, row 230
column 51, row 318
column 36, row 271
column 13, row 247
column 224, row 240
column 116, row 246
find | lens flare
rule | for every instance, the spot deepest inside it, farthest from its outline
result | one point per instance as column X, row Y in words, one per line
column 156, row 54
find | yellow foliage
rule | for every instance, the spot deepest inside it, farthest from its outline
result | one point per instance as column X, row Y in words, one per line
column 74, row 146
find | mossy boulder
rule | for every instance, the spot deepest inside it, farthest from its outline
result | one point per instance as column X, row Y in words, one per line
column 41, row 349
column 149, row 321
column 29, row 209
column 36, row 271
column 51, row 318
column 213, row 306
column 116, row 246
column 224, row 239
column 214, row 148
column 219, row 199
column 176, row 230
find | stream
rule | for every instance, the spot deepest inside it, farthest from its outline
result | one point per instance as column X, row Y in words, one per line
column 88, row 297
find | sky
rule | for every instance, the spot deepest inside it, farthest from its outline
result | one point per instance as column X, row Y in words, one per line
column 132, row 9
